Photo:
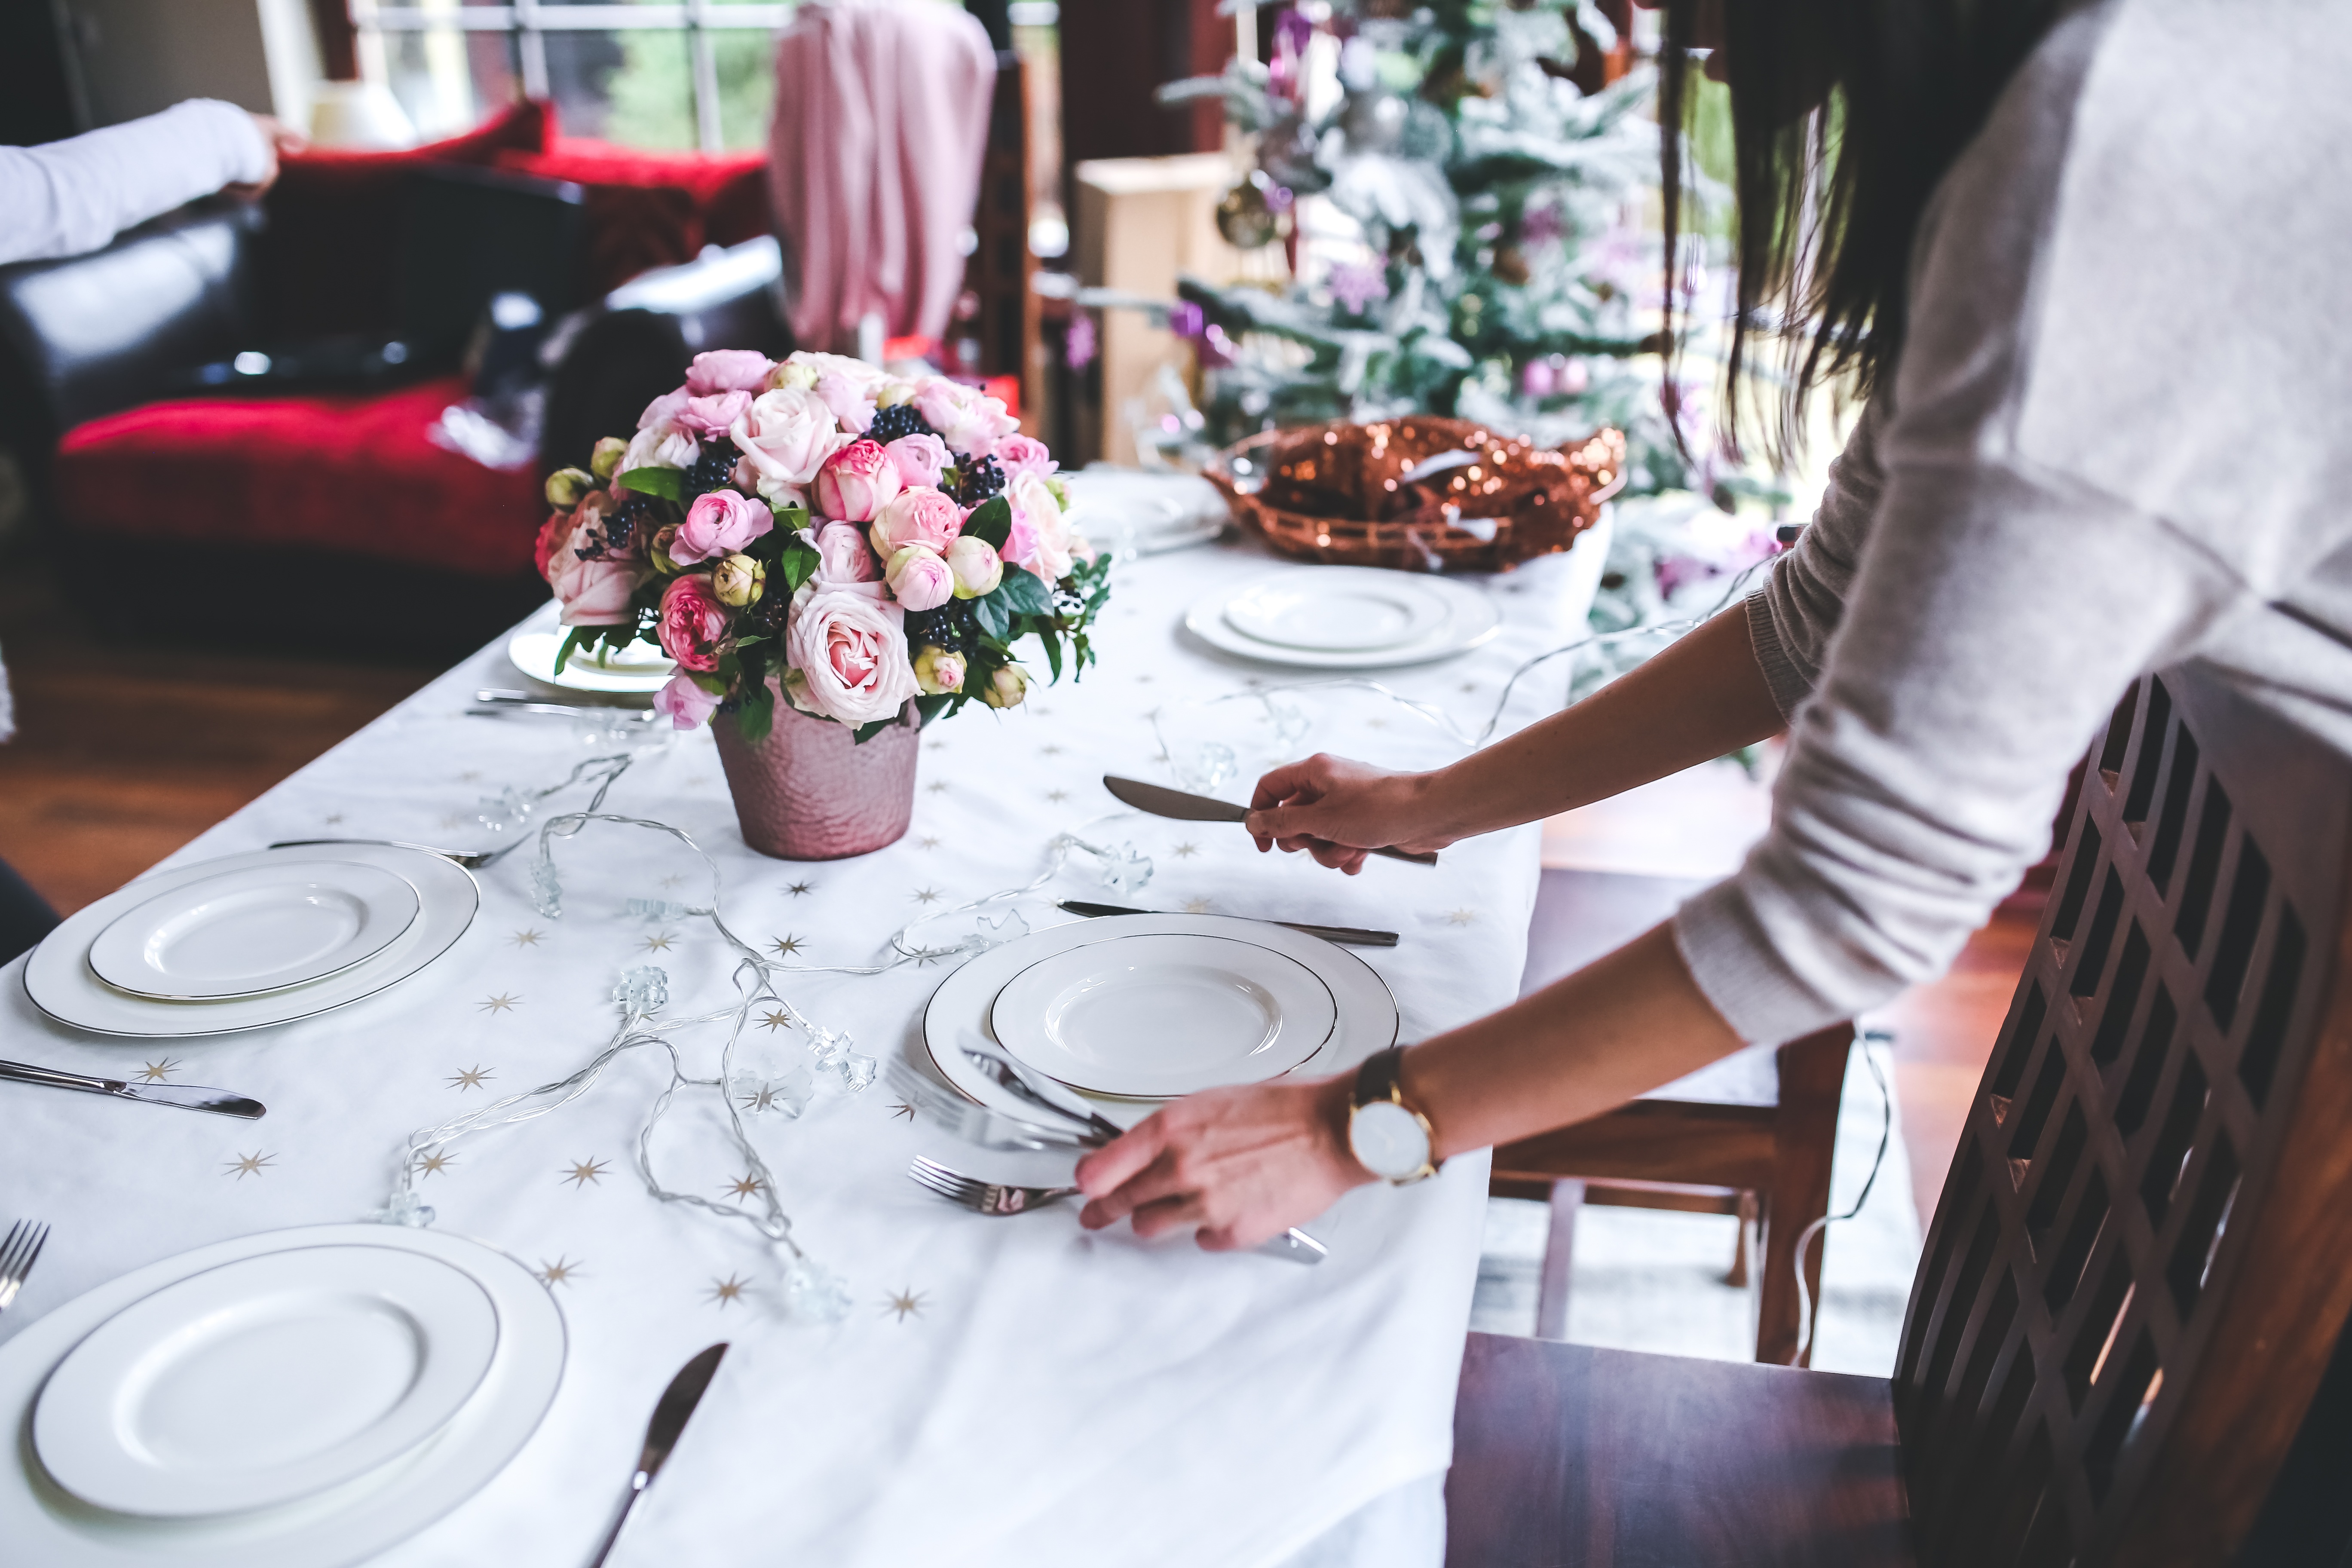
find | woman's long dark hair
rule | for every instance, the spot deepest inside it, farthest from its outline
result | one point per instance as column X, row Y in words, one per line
column 1845, row 116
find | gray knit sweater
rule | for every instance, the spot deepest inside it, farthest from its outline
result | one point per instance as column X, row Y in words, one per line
column 2120, row 437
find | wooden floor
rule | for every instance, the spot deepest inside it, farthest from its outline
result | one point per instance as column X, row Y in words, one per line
column 123, row 753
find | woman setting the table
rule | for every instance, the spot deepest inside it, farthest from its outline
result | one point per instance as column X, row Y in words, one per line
column 2035, row 264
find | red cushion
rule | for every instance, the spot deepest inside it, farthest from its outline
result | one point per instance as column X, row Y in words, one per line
column 350, row 475
column 330, row 257
column 652, row 209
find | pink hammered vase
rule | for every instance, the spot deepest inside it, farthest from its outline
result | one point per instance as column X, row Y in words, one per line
column 808, row 793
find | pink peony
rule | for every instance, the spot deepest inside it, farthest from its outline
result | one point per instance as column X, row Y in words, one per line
column 719, row 523
column 842, row 558
column 919, row 516
column 918, row 459
column 1018, row 455
column 693, row 623
column 920, row 579
column 856, row 482
column 787, row 435
column 851, row 401
column 684, row 704
column 664, row 410
column 707, row 418
column 1039, row 516
column 967, row 418
column 728, row 369
column 851, row 651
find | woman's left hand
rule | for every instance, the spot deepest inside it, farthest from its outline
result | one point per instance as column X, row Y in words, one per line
column 1241, row 1165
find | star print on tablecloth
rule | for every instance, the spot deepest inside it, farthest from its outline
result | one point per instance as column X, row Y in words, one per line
column 675, row 879
column 762, row 1099
column 1460, row 917
column 744, row 1186
column 1049, row 751
column 1186, row 852
column 527, row 938
column 471, row 775
column 498, row 1004
column 1057, row 795
column 927, row 895
column 246, row 1165
column 928, row 841
column 936, row 786
column 156, row 1072
column 435, row 1162
column 1196, row 906
column 660, row 943
column 336, row 820
column 797, row 888
column 903, row 1110
column 559, row 1272
column 777, row 1018
column 785, row 945
column 470, row 1079
column 728, row 1290
column 906, row 1303
column 454, row 819
column 585, row 1172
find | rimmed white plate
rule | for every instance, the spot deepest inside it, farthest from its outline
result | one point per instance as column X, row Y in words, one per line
column 1367, row 1018
column 1470, row 618
column 58, row 978
column 1338, row 612
column 640, row 669
column 1141, row 511
column 265, row 1379
column 1149, row 1017
column 42, row 1524
column 241, row 933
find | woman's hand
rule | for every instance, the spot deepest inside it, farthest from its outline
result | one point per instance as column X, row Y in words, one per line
column 1242, row 1165
column 280, row 138
column 1338, row 811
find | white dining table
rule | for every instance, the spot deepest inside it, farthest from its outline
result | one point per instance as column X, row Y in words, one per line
column 999, row 1390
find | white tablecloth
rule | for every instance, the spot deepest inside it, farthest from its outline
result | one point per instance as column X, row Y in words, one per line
column 1003, row 1391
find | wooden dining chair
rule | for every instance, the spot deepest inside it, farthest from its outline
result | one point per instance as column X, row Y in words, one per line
column 2139, row 1264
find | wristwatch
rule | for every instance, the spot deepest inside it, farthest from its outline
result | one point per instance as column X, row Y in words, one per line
column 1389, row 1138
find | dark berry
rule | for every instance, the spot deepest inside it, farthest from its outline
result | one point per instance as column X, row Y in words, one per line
column 896, row 423
column 710, row 469
column 951, row 626
column 977, row 478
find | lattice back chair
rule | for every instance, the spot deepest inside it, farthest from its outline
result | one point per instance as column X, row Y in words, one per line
column 2143, row 1253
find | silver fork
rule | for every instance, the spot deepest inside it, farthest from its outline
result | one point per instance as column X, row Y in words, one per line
column 981, row 1197
column 472, row 859
column 19, row 1250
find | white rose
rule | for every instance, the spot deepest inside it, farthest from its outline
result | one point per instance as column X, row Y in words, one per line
column 851, row 653
column 787, row 435
column 659, row 446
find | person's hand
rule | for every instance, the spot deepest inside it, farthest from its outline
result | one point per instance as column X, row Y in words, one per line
column 1241, row 1165
column 1340, row 811
column 280, row 138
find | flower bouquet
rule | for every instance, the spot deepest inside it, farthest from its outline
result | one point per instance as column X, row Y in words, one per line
column 819, row 538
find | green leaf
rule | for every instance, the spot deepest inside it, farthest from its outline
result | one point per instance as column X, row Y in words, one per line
column 931, row 707
column 993, row 615
column 865, row 732
column 757, row 716
column 797, row 565
column 1024, row 592
column 1052, row 652
column 991, row 519
column 572, row 639
column 668, row 483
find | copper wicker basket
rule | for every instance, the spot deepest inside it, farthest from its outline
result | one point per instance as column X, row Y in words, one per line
column 1418, row 494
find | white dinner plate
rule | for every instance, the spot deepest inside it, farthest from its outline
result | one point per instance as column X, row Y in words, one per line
column 1367, row 1020
column 241, row 933
column 1338, row 612
column 264, row 1380
column 638, row 669
column 1316, row 602
column 42, row 1524
column 1141, row 511
column 58, row 978
column 1150, row 1017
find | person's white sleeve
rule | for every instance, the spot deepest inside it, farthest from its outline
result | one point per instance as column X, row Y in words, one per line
column 70, row 197
column 1792, row 617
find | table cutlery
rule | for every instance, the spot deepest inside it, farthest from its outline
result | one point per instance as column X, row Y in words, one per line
column 19, row 1252
column 981, row 1197
column 678, row 1403
column 1349, row 936
column 494, row 704
column 1159, row 800
column 186, row 1096
column 471, row 859
column 980, row 1125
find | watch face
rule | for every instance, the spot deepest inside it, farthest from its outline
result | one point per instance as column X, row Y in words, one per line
column 1389, row 1139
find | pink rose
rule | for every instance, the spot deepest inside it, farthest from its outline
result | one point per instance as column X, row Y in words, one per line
column 856, row 482
column 851, row 403
column 918, row 459
column 968, row 419
column 851, row 651
column 786, row 435
column 555, row 534
column 593, row 592
column 978, row 568
column 693, row 623
column 728, row 370
column 664, row 410
column 1039, row 515
column 919, row 516
column 684, row 704
column 920, row 579
column 662, row 446
column 719, row 522
column 1018, row 455
column 706, row 418
column 842, row 557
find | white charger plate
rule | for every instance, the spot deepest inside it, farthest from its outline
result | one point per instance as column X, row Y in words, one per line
column 1149, row 1017
column 639, row 669
column 1351, row 612
column 58, row 978
column 264, row 1380
column 241, row 933
column 1366, row 1012
column 1471, row 616
column 42, row 1524
column 1143, row 511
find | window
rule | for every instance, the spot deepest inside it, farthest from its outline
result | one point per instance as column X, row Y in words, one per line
column 665, row 76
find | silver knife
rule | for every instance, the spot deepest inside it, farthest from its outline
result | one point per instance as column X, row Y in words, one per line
column 678, row 1403
column 186, row 1096
column 1352, row 936
column 1161, row 801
